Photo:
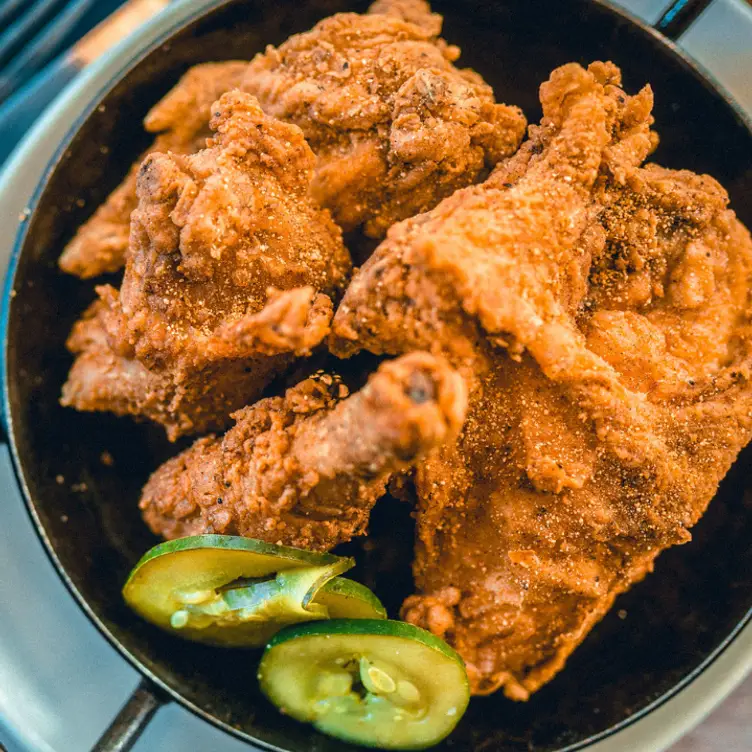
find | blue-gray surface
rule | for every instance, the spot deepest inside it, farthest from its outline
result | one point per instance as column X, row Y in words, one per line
column 17, row 114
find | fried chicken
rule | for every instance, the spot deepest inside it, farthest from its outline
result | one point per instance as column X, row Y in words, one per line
column 416, row 12
column 395, row 126
column 600, row 313
column 305, row 469
column 228, row 278
column 181, row 122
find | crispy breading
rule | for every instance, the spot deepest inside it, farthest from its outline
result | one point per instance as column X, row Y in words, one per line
column 600, row 313
column 229, row 277
column 305, row 469
column 395, row 126
column 181, row 122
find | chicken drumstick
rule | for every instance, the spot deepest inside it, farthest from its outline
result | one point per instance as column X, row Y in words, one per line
column 305, row 469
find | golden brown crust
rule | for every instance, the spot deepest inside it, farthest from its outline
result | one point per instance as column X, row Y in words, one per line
column 305, row 469
column 395, row 126
column 181, row 120
column 600, row 312
column 416, row 12
column 197, row 399
column 230, row 275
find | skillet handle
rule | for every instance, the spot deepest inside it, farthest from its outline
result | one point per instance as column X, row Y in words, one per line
column 679, row 16
column 132, row 719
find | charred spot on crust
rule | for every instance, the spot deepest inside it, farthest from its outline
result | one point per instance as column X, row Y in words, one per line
column 420, row 388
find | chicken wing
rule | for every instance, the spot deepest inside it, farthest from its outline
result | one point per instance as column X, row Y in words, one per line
column 395, row 126
column 181, row 121
column 600, row 313
column 228, row 278
column 305, row 469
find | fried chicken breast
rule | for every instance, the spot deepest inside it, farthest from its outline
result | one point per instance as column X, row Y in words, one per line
column 229, row 277
column 600, row 313
column 305, row 469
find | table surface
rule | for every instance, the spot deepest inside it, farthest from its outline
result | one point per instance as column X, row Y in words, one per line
column 728, row 728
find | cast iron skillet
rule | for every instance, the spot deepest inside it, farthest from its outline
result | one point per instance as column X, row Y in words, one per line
column 676, row 622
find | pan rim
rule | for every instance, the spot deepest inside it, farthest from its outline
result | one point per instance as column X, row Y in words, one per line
column 130, row 53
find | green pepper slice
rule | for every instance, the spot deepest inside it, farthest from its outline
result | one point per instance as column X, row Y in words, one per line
column 237, row 592
column 383, row 684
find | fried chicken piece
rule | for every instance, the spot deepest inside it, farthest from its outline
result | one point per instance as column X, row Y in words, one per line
column 199, row 398
column 305, row 469
column 417, row 12
column 181, row 122
column 600, row 313
column 228, row 278
column 395, row 126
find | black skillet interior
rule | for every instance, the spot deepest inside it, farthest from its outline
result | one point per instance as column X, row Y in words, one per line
column 656, row 636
